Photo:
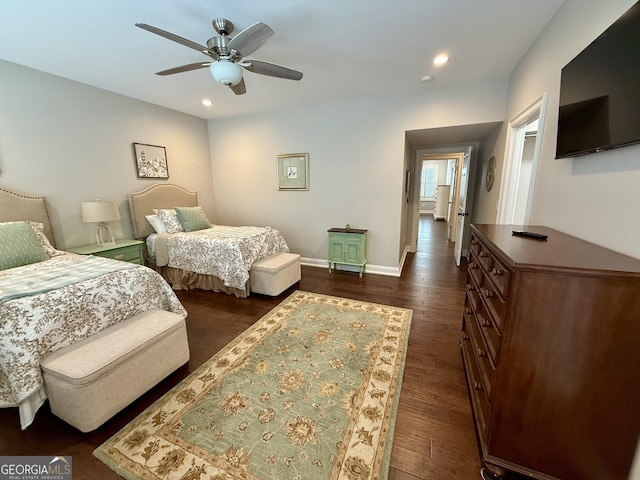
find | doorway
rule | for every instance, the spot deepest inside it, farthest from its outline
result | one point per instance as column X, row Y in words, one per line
column 521, row 164
column 453, row 167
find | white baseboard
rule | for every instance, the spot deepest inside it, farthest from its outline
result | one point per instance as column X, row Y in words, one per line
column 369, row 268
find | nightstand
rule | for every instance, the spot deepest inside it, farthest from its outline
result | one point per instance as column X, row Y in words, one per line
column 125, row 250
column 348, row 247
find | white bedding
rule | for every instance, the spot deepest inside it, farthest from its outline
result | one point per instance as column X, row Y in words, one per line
column 151, row 245
column 222, row 251
column 33, row 326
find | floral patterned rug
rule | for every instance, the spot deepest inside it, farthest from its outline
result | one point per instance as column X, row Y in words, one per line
column 309, row 392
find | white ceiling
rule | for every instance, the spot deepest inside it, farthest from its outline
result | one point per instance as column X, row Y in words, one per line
column 345, row 48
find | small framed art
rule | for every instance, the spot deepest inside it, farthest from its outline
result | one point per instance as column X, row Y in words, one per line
column 293, row 171
column 151, row 161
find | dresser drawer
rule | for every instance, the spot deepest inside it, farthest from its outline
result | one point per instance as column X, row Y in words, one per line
column 485, row 257
column 474, row 246
column 473, row 289
column 489, row 332
column 474, row 268
column 481, row 353
column 496, row 306
column 479, row 398
column 500, row 276
column 127, row 254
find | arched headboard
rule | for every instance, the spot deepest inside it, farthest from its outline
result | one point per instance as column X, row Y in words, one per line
column 160, row 195
column 18, row 206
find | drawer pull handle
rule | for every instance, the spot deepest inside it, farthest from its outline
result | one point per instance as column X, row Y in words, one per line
column 485, row 323
column 465, row 336
column 467, row 310
column 483, row 254
column 497, row 272
column 474, row 242
column 481, row 353
column 473, row 266
column 119, row 257
column 470, row 287
column 477, row 386
column 488, row 293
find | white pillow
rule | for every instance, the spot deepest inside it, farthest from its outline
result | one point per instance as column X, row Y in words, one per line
column 156, row 222
column 170, row 219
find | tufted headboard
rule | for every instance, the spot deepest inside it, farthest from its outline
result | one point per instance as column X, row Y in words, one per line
column 17, row 206
column 160, row 195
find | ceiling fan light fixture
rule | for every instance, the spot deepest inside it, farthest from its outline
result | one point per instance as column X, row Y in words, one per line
column 226, row 72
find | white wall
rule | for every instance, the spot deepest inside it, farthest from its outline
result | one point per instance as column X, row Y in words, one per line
column 594, row 197
column 356, row 160
column 72, row 143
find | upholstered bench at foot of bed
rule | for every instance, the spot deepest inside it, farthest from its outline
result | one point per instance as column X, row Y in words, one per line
column 273, row 275
column 92, row 380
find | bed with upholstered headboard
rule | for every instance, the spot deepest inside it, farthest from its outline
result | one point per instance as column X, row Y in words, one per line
column 18, row 206
column 206, row 256
column 50, row 299
column 158, row 196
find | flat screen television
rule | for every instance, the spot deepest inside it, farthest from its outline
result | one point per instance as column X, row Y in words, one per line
column 600, row 92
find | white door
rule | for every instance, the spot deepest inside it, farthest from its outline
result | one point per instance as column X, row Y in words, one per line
column 452, row 218
column 463, row 217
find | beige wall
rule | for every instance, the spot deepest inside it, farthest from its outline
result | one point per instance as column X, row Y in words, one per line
column 357, row 163
column 592, row 197
column 72, row 143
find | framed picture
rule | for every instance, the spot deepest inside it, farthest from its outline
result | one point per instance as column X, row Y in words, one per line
column 293, row 171
column 151, row 161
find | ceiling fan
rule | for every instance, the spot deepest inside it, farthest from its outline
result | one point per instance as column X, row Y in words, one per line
column 228, row 54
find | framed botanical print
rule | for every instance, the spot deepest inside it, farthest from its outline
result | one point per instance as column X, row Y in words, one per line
column 151, row 161
column 293, row 171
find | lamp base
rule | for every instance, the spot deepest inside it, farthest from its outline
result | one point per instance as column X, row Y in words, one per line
column 104, row 235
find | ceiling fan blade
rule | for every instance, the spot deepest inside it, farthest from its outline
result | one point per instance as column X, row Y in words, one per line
column 184, row 68
column 239, row 88
column 176, row 38
column 271, row 69
column 250, row 39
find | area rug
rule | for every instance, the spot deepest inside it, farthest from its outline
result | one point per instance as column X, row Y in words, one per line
column 310, row 391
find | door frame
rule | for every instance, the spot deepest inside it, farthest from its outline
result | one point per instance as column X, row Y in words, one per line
column 513, row 160
column 456, row 152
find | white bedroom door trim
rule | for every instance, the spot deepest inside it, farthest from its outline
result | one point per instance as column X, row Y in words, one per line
column 514, row 148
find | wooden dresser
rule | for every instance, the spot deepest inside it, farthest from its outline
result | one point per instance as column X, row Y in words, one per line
column 551, row 347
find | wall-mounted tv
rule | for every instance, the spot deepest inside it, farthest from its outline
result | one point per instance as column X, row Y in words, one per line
column 600, row 92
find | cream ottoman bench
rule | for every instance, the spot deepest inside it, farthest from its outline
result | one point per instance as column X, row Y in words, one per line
column 273, row 275
column 92, row 380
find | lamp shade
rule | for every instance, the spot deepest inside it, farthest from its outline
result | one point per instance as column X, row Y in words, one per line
column 100, row 211
column 226, row 72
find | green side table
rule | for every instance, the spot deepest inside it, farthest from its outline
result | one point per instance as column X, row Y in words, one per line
column 125, row 250
column 347, row 247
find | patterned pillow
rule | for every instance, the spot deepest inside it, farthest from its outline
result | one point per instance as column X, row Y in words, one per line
column 50, row 249
column 19, row 245
column 170, row 219
column 192, row 218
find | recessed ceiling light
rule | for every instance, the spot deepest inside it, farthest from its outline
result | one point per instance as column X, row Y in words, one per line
column 441, row 59
column 426, row 79
column 206, row 102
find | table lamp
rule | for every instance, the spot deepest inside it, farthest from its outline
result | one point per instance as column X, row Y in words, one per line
column 101, row 212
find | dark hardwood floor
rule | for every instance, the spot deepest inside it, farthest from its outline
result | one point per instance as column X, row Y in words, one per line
column 434, row 436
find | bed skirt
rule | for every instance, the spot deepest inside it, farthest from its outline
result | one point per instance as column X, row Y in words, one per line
column 184, row 280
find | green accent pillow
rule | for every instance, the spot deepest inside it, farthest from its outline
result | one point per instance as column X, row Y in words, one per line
column 19, row 245
column 192, row 218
